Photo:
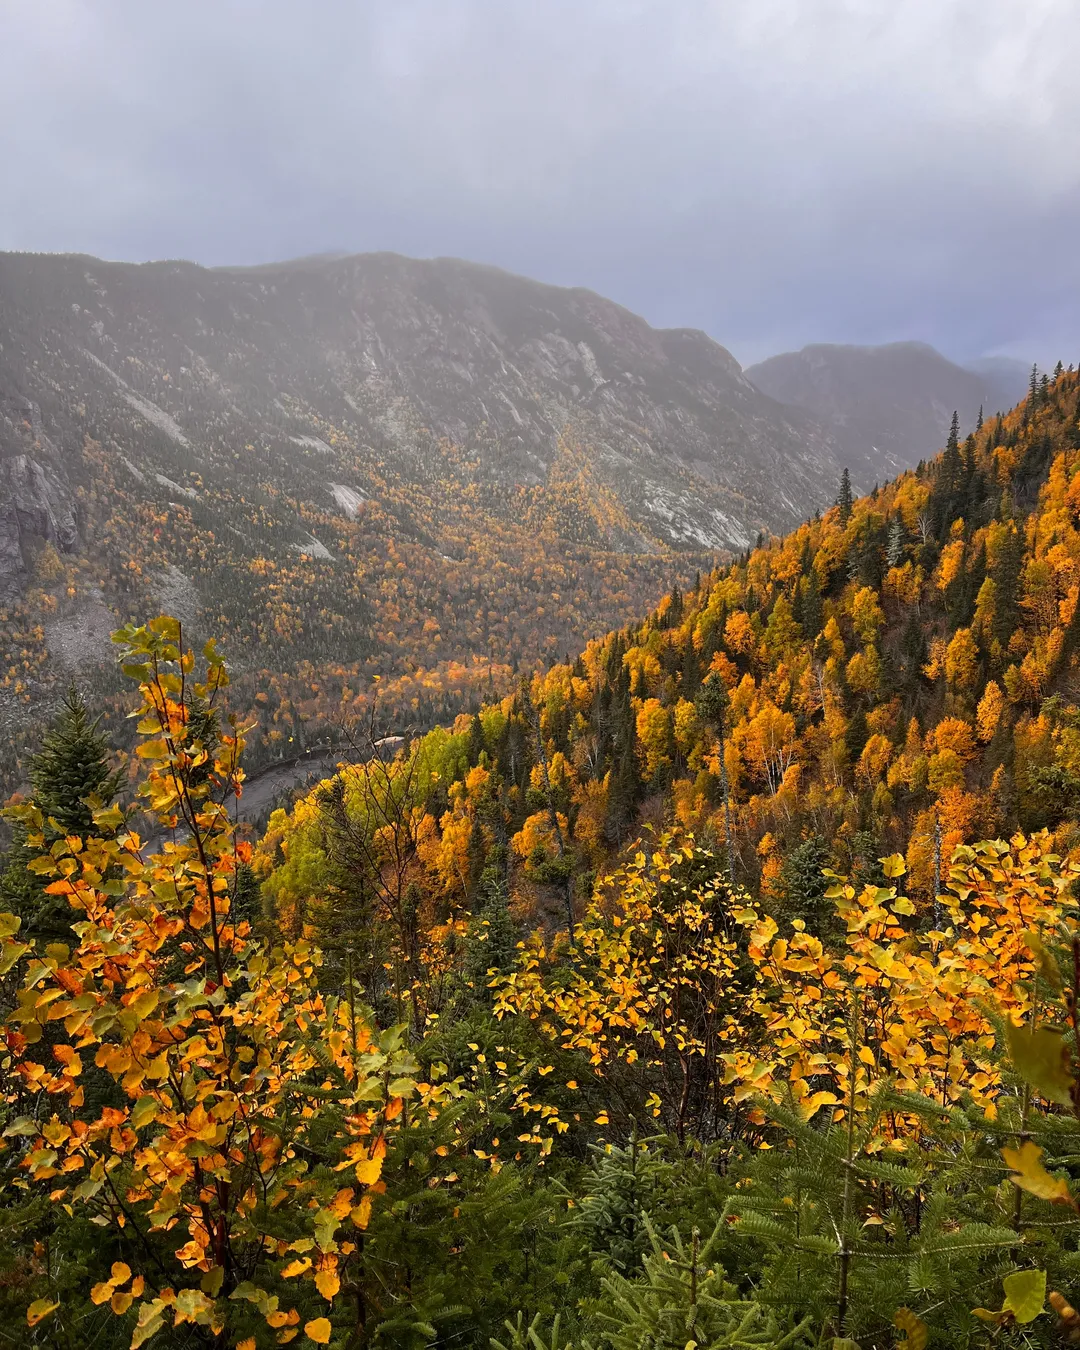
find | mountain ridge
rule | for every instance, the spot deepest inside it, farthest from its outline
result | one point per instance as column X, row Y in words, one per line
column 889, row 405
column 707, row 419
column 382, row 465
column 422, row 470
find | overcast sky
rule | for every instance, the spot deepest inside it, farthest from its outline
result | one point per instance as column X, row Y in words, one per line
column 773, row 171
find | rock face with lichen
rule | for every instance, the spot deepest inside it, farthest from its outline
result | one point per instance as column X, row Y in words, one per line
column 36, row 503
column 403, row 359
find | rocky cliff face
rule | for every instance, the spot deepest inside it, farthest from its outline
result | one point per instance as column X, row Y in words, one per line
column 36, row 503
column 404, row 359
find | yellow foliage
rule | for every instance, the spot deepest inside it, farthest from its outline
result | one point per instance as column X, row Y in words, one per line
column 162, row 988
column 740, row 635
column 655, row 736
column 538, row 832
column 988, row 714
column 953, row 733
column 962, row 660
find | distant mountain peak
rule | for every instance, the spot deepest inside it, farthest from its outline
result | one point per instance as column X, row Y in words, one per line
column 889, row 405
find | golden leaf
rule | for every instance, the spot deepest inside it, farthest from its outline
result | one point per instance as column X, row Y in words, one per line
column 327, row 1282
column 368, row 1170
column 915, row 1330
column 1030, row 1175
column 39, row 1310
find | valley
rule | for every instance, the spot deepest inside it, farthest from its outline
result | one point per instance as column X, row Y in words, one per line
column 745, row 912
column 367, row 471
column 421, row 473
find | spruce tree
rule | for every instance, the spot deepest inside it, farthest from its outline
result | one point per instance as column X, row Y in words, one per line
column 894, row 549
column 803, row 885
column 619, row 1194
column 492, row 936
column 682, row 1298
column 812, row 612
column 845, row 501
column 72, row 767
column 70, row 778
column 1006, row 576
column 712, row 705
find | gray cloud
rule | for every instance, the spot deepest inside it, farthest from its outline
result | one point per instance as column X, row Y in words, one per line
column 774, row 171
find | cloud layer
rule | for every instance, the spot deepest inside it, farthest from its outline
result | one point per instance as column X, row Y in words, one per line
column 774, row 171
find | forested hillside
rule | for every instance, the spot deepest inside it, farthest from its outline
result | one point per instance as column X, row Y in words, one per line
column 896, row 674
column 426, row 471
column 718, row 989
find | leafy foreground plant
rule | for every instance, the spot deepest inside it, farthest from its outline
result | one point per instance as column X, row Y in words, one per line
column 178, row 1083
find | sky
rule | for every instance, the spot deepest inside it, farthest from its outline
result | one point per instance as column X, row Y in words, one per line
column 775, row 172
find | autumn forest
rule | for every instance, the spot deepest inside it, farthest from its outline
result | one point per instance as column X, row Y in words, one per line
column 714, row 986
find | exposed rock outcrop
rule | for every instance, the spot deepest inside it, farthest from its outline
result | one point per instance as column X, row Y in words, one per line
column 36, row 503
column 405, row 358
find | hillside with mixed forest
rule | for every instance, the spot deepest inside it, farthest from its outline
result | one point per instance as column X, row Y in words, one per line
column 899, row 673
column 717, row 988
column 425, row 471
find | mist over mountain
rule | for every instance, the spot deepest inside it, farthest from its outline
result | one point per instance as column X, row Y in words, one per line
column 888, row 406
column 385, row 465
column 391, row 466
column 399, row 359
column 1005, row 377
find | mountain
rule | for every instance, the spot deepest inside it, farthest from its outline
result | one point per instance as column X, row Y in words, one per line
column 384, row 465
column 400, row 359
column 693, row 895
column 1006, row 379
column 898, row 678
column 888, row 406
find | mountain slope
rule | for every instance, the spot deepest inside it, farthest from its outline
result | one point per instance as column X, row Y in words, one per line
column 887, row 406
column 906, row 671
column 384, row 466
column 398, row 359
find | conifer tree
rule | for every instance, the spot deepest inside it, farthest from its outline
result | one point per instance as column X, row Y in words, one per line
column 492, row 937
column 620, row 1192
column 70, row 777
column 712, row 703
column 845, row 500
column 1006, row 577
column 894, row 549
column 803, row 885
column 811, row 611
column 72, row 767
column 682, row 1298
